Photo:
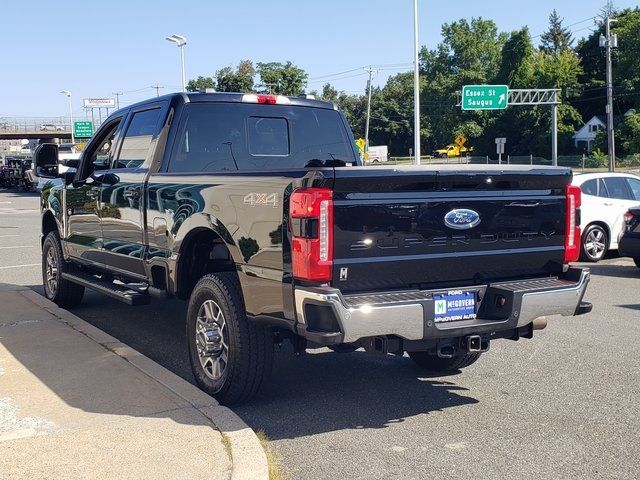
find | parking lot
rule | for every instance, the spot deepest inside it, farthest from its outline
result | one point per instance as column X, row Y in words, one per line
column 563, row 405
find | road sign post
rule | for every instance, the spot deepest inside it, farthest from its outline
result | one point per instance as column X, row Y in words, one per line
column 500, row 148
column 485, row 97
column 82, row 129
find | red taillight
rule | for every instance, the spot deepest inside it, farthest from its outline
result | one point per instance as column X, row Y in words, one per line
column 572, row 225
column 311, row 211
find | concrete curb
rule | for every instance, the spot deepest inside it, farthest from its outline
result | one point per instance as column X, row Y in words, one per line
column 248, row 459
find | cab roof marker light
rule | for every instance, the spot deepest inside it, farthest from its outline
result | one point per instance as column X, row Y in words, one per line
column 266, row 99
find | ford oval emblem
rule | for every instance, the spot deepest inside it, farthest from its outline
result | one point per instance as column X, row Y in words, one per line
column 462, row 219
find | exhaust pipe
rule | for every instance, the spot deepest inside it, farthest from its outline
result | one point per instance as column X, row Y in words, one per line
column 475, row 344
column 540, row 323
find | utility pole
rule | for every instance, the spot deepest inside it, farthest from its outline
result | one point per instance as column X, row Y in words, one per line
column 157, row 87
column 117, row 94
column 416, row 86
column 609, row 42
column 366, row 129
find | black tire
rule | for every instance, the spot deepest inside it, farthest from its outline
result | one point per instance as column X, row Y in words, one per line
column 593, row 253
column 62, row 292
column 249, row 346
column 637, row 262
column 434, row 363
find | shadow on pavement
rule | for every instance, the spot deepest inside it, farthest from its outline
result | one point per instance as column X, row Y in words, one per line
column 618, row 271
column 84, row 374
column 314, row 393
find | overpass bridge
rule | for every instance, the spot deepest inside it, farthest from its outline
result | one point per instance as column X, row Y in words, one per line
column 34, row 135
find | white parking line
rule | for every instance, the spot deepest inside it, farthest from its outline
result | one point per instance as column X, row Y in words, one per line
column 6, row 236
column 21, row 266
column 19, row 246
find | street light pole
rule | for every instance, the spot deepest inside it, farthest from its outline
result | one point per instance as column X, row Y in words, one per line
column 366, row 128
column 117, row 94
column 416, row 87
column 180, row 41
column 609, row 42
column 67, row 93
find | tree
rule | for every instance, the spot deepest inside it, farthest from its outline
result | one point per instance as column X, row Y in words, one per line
column 625, row 64
column 558, row 38
column 629, row 136
column 238, row 80
column 282, row 79
column 200, row 83
column 517, row 58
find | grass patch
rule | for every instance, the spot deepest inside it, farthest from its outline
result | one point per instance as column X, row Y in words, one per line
column 227, row 445
column 276, row 471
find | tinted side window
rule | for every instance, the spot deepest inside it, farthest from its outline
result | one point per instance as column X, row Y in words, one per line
column 137, row 140
column 618, row 188
column 602, row 189
column 590, row 187
column 634, row 184
column 102, row 151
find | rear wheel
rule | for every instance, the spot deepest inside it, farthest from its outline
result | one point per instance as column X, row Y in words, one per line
column 595, row 243
column 231, row 357
column 60, row 291
column 434, row 363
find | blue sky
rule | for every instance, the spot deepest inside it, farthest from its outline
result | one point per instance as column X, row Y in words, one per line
column 96, row 48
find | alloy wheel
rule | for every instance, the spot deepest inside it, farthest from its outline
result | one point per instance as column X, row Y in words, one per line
column 51, row 271
column 212, row 340
column 594, row 244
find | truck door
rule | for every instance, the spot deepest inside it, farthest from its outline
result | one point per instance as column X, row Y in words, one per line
column 82, row 208
column 122, row 205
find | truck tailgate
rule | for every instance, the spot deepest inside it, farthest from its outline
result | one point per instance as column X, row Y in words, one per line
column 398, row 228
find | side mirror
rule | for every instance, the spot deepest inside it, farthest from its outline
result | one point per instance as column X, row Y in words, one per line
column 45, row 157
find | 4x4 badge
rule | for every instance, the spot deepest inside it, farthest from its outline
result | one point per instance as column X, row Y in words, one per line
column 255, row 198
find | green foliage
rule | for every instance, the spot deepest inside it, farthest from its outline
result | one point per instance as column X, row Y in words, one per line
column 200, row 83
column 628, row 137
column 282, row 78
column 236, row 80
column 517, row 62
column 598, row 159
column 558, row 38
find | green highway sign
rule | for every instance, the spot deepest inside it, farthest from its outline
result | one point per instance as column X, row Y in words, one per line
column 485, row 97
column 82, row 129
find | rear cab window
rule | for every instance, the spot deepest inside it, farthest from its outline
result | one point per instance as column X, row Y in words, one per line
column 234, row 136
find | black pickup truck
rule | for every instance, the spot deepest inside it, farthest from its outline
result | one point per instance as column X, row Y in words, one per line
column 257, row 210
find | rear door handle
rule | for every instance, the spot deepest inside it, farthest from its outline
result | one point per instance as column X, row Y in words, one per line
column 131, row 194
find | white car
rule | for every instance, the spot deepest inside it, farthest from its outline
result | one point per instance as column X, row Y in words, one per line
column 605, row 199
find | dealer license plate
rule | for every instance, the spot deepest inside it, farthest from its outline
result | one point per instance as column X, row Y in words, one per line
column 454, row 306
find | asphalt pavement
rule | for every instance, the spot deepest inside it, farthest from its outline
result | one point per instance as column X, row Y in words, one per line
column 563, row 405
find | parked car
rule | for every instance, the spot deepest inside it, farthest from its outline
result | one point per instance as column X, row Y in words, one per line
column 256, row 209
column 630, row 239
column 605, row 199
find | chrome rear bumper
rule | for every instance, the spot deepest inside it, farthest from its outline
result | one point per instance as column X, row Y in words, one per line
column 410, row 314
